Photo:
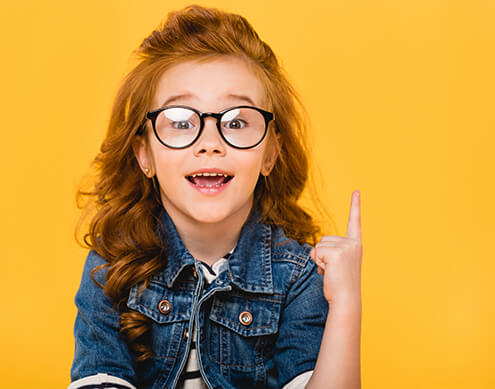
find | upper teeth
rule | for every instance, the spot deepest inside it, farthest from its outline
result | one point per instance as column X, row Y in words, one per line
column 209, row 174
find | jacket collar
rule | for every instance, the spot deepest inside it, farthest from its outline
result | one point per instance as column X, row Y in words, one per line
column 249, row 266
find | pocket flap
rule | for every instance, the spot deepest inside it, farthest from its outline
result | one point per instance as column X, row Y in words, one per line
column 264, row 313
column 148, row 302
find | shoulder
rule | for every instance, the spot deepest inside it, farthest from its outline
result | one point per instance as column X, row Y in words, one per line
column 97, row 264
column 93, row 279
column 281, row 244
column 289, row 251
column 290, row 259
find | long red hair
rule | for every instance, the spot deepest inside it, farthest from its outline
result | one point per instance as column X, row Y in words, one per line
column 123, row 205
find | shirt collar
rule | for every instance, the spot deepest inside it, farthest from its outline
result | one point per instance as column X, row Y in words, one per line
column 249, row 266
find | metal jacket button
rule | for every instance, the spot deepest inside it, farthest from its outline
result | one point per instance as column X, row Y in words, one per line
column 186, row 334
column 164, row 306
column 245, row 318
column 195, row 273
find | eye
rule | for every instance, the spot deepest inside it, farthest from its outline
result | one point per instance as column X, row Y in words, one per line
column 182, row 125
column 236, row 124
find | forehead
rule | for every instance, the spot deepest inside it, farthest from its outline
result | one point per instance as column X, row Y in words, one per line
column 211, row 84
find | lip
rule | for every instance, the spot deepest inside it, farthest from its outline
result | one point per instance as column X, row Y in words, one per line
column 214, row 190
column 211, row 191
column 210, row 170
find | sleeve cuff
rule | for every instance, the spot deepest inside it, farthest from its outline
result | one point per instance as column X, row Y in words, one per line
column 300, row 381
column 101, row 381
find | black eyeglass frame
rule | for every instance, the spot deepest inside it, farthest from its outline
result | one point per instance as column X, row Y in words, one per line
column 152, row 115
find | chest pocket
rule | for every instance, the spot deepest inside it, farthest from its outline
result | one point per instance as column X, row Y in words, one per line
column 244, row 329
column 169, row 310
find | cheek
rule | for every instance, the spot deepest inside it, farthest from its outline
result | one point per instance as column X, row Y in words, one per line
column 250, row 166
column 256, row 160
column 168, row 167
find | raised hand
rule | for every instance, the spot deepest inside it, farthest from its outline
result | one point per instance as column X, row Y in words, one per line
column 339, row 258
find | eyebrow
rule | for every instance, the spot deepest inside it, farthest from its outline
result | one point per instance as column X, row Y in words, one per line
column 171, row 99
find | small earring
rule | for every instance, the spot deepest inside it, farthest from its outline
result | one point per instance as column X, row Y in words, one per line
column 146, row 170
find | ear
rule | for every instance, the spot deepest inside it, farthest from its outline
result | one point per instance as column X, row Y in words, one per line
column 271, row 154
column 143, row 155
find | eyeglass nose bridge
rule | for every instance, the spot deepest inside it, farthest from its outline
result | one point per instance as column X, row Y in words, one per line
column 217, row 116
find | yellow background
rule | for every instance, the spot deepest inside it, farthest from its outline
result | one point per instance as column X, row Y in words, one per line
column 401, row 98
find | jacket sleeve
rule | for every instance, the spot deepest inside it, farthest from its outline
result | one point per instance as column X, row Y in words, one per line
column 302, row 324
column 99, row 347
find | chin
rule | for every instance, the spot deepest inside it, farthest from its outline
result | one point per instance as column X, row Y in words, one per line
column 209, row 216
column 204, row 209
column 207, row 211
column 215, row 213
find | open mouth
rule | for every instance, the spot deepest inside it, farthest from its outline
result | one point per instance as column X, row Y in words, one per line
column 209, row 180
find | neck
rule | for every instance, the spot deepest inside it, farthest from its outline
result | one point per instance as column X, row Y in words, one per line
column 209, row 242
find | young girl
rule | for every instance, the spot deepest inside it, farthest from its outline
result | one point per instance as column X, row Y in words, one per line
column 200, row 272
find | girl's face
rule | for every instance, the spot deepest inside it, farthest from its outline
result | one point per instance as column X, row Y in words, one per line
column 211, row 86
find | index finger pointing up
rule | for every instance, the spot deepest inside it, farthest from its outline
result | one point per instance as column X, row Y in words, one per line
column 354, row 225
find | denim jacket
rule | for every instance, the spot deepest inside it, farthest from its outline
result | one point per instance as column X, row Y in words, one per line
column 259, row 324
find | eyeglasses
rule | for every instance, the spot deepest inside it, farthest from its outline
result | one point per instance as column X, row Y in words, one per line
column 179, row 126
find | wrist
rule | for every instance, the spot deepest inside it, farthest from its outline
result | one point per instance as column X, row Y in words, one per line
column 346, row 304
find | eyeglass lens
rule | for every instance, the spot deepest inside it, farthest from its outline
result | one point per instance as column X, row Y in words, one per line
column 241, row 127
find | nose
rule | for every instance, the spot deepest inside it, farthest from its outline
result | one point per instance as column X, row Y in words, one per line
column 210, row 142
